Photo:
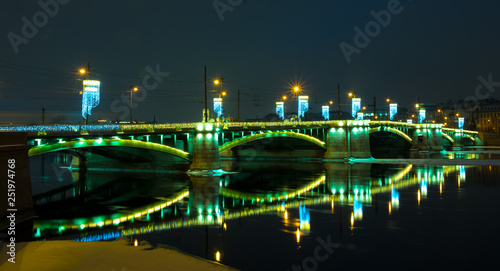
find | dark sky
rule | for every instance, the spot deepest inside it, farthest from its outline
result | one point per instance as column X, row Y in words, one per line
column 434, row 50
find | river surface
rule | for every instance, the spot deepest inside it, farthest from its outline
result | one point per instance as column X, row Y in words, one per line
column 284, row 215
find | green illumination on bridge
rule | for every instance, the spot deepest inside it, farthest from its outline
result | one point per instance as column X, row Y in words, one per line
column 254, row 137
column 391, row 130
column 108, row 143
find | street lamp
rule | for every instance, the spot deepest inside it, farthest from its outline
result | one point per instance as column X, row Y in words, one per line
column 132, row 89
column 221, row 82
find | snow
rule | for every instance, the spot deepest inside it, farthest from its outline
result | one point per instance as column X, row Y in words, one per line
column 110, row 256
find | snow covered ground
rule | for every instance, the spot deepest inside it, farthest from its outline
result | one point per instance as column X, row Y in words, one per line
column 108, row 256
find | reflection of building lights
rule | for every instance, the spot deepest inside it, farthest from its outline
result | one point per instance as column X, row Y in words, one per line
column 418, row 197
column 298, row 235
column 352, row 219
column 224, row 226
column 304, row 218
column 440, row 188
column 358, row 209
column 390, row 207
column 394, row 198
column 423, row 188
column 286, row 214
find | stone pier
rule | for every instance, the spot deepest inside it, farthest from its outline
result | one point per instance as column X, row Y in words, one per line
column 348, row 139
column 205, row 149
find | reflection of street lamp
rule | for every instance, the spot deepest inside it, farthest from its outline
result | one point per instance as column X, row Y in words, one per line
column 132, row 89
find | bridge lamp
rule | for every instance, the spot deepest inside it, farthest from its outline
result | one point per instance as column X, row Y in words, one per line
column 388, row 100
column 350, row 94
column 284, row 97
column 331, row 102
column 216, row 82
column 417, row 105
column 223, row 93
column 132, row 89
column 82, row 71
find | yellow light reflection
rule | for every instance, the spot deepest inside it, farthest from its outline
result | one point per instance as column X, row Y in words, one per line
column 440, row 188
column 333, row 205
column 298, row 235
column 217, row 256
column 135, row 243
column 286, row 214
column 224, row 226
column 418, row 197
column 352, row 219
column 390, row 208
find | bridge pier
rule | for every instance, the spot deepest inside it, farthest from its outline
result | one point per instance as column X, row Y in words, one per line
column 458, row 139
column 348, row 141
column 205, row 149
column 427, row 137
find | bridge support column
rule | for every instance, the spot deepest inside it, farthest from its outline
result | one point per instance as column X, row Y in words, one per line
column 205, row 150
column 436, row 139
column 360, row 142
column 458, row 139
column 336, row 143
column 351, row 141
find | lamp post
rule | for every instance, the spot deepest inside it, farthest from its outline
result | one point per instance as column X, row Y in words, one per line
column 132, row 89
column 85, row 73
column 221, row 93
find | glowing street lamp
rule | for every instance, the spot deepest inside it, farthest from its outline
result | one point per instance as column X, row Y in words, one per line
column 82, row 71
column 132, row 89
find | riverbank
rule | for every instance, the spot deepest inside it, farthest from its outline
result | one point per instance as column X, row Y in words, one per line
column 112, row 256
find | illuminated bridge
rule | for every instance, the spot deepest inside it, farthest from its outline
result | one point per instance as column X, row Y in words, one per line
column 202, row 144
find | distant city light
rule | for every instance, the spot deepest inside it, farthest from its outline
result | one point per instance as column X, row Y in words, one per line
column 218, row 107
column 356, row 106
column 359, row 116
column 421, row 115
column 91, row 96
column 280, row 110
column 393, row 110
column 303, row 105
column 461, row 123
column 325, row 109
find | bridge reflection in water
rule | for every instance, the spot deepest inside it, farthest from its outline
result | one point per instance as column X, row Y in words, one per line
column 212, row 201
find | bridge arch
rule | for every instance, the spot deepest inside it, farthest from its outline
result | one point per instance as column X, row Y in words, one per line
column 391, row 130
column 258, row 136
column 89, row 143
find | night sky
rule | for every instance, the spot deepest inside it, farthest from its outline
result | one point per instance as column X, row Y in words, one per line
column 432, row 50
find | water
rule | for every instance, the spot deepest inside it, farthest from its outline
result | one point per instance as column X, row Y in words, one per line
column 277, row 215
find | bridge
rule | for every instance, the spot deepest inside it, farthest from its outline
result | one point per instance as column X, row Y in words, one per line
column 202, row 144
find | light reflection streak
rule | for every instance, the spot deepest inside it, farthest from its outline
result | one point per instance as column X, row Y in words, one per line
column 226, row 215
